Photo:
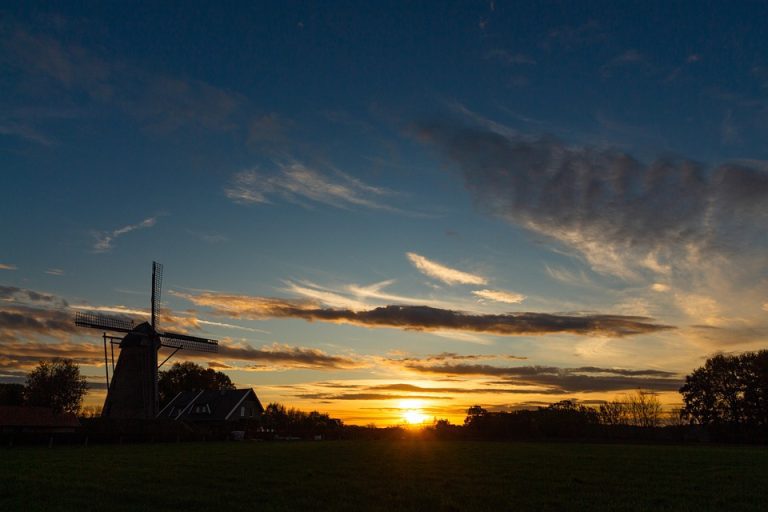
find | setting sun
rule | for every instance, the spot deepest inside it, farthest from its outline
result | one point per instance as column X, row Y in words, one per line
column 412, row 412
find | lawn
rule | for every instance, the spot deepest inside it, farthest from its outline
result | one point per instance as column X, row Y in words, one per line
column 383, row 475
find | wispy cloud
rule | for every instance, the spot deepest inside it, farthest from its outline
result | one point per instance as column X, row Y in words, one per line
column 8, row 266
column 54, row 272
column 625, row 217
column 300, row 184
column 442, row 273
column 105, row 239
column 357, row 296
column 500, row 296
column 160, row 101
column 424, row 318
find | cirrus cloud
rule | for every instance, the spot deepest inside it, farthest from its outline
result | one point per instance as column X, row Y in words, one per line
column 443, row 273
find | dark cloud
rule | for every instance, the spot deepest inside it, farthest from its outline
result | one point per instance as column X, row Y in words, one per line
column 287, row 356
column 365, row 396
column 425, row 318
column 456, row 390
column 24, row 355
column 15, row 294
column 453, row 356
column 604, row 203
column 565, row 380
column 18, row 322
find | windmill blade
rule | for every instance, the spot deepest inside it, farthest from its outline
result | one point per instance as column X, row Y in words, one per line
column 174, row 340
column 157, row 285
column 103, row 322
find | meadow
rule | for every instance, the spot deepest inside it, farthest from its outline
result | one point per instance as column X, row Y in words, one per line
column 410, row 474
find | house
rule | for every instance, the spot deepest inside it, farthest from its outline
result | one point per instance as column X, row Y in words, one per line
column 21, row 418
column 213, row 406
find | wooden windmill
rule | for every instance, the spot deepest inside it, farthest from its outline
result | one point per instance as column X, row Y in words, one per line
column 132, row 393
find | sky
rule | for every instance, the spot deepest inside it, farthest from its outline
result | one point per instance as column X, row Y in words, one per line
column 388, row 211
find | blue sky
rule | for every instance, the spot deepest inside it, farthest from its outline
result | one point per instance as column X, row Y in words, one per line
column 579, row 160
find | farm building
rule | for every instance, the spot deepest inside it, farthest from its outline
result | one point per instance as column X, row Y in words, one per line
column 213, row 406
column 41, row 420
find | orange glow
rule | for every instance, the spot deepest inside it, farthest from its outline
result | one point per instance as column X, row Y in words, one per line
column 412, row 412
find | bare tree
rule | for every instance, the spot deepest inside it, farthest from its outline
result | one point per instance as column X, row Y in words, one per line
column 644, row 409
column 613, row 413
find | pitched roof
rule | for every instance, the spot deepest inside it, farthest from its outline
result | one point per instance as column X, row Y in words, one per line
column 39, row 417
column 217, row 405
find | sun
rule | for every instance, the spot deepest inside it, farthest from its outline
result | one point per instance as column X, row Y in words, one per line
column 413, row 417
column 412, row 412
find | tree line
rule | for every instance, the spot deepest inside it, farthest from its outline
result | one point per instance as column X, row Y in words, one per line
column 728, row 396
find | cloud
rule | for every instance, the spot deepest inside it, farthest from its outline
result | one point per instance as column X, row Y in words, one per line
column 62, row 67
column 625, row 217
column 569, row 380
column 54, row 272
column 24, row 355
column 364, row 396
column 500, row 296
column 300, row 184
column 453, row 356
column 442, row 273
column 105, row 239
column 424, row 318
column 278, row 356
column 355, row 296
column 25, row 296
column 7, row 266
column 19, row 322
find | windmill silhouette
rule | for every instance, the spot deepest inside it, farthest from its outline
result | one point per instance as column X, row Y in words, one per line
column 132, row 393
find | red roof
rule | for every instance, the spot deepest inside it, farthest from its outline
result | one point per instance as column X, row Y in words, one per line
column 23, row 416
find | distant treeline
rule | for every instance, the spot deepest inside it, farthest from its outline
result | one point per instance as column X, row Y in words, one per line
column 726, row 400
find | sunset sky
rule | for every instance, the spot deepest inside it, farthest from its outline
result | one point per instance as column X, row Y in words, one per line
column 381, row 209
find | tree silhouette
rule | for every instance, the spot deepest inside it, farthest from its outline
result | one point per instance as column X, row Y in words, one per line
column 11, row 394
column 56, row 384
column 188, row 376
column 643, row 409
column 728, row 389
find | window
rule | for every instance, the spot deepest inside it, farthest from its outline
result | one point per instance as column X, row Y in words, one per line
column 242, row 412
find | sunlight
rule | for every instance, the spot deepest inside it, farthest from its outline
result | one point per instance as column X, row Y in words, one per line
column 412, row 411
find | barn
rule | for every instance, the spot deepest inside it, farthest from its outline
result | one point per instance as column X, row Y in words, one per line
column 213, row 406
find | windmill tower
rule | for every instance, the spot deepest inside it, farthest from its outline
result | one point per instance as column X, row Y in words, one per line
column 132, row 393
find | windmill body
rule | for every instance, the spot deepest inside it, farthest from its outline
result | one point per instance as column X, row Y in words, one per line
column 132, row 392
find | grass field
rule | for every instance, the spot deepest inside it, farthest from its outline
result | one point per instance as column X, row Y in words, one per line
column 383, row 475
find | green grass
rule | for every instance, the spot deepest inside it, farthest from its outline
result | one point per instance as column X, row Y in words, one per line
column 383, row 475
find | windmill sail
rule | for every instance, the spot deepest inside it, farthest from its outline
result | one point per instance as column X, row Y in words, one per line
column 157, row 285
column 103, row 322
column 174, row 340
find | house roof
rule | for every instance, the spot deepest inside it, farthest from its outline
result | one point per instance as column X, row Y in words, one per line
column 219, row 404
column 39, row 417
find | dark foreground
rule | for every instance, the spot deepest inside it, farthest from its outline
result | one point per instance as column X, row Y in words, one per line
column 383, row 475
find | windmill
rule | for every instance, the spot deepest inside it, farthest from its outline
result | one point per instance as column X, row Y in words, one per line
column 132, row 393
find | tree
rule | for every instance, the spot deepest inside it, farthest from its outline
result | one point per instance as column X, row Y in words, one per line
column 612, row 413
column 56, row 384
column 473, row 413
column 11, row 394
column 728, row 389
column 643, row 409
column 188, row 376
